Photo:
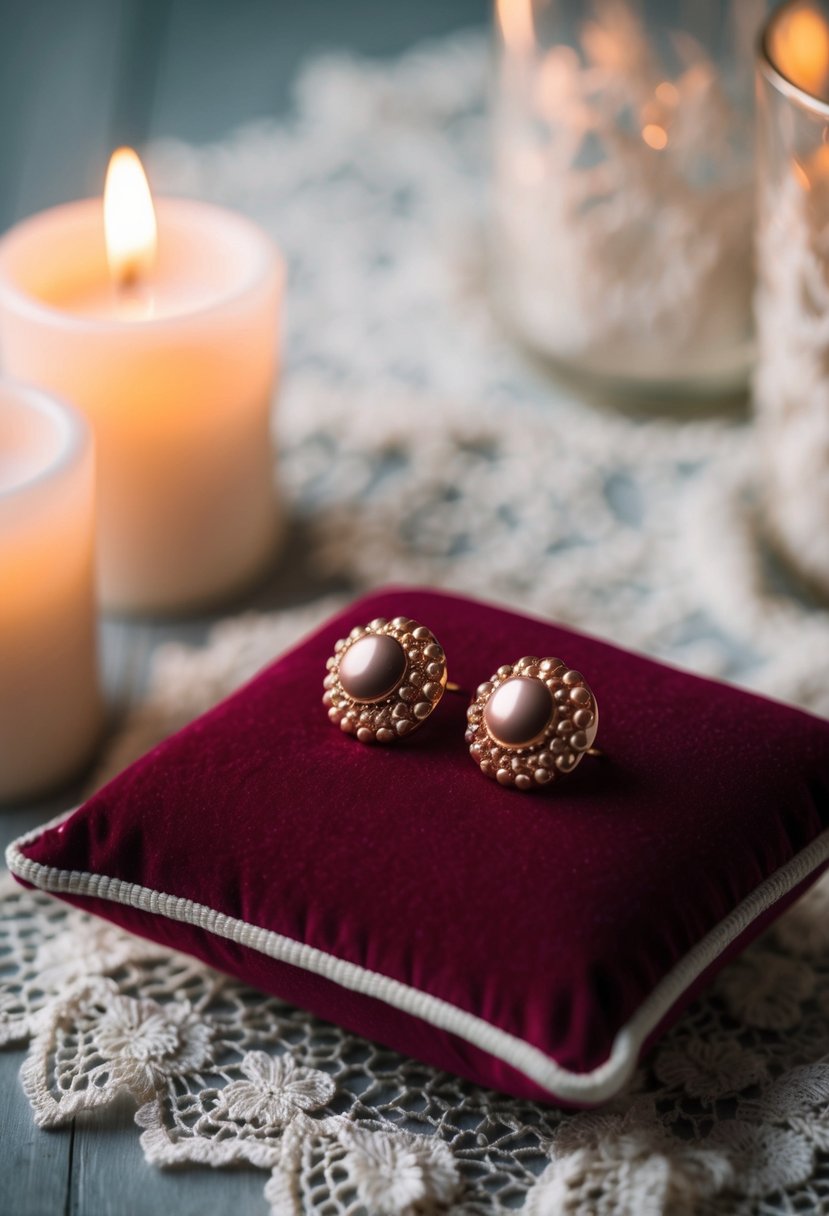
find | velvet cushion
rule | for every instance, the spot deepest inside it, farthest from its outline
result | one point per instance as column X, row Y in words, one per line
column 535, row 942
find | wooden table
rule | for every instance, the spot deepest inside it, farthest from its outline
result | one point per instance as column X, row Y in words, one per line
column 76, row 80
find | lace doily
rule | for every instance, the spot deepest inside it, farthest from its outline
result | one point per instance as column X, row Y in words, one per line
column 416, row 445
column 729, row 1116
column 419, row 445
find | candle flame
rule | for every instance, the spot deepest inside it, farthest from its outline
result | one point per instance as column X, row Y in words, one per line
column 515, row 19
column 129, row 219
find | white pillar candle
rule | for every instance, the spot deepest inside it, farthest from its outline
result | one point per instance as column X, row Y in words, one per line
column 50, row 704
column 173, row 360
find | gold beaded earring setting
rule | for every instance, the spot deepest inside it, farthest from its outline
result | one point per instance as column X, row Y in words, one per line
column 531, row 723
column 385, row 679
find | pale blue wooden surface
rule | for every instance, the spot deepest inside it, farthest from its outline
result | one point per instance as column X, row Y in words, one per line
column 78, row 77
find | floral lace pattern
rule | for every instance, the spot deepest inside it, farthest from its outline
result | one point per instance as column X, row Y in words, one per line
column 730, row 1111
column 443, row 472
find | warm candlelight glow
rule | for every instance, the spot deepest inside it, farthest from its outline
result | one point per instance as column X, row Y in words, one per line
column 655, row 136
column 800, row 175
column 129, row 219
column 515, row 18
column 800, row 49
column 173, row 360
column 667, row 93
column 812, row 172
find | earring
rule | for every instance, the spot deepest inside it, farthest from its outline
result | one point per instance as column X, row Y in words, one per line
column 384, row 679
column 531, row 723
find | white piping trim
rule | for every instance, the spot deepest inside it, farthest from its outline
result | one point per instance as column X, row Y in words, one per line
column 590, row 1087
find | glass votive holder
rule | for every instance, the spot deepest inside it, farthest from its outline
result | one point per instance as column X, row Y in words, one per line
column 620, row 241
column 791, row 383
column 51, row 709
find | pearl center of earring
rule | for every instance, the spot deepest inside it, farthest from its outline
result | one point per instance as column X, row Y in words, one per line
column 372, row 667
column 518, row 712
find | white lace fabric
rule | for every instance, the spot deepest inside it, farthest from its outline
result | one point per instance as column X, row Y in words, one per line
column 732, row 1109
column 416, row 445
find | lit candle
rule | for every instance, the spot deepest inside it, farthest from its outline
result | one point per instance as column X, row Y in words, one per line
column 50, row 705
column 170, row 349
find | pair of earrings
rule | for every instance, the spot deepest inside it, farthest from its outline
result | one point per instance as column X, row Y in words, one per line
column 529, row 724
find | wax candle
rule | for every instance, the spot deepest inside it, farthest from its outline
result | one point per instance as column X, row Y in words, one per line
column 170, row 349
column 50, row 705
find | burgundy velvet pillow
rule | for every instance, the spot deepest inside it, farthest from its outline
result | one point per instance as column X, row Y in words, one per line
column 535, row 942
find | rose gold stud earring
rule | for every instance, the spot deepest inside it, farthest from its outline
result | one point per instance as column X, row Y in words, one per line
column 385, row 679
column 531, row 723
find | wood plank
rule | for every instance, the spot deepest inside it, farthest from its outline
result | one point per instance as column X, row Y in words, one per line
column 224, row 64
column 144, row 33
column 110, row 1176
column 34, row 1164
column 59, row 64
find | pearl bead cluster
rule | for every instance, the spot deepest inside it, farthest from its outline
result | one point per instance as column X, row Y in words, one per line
column 409, row 703
column 569, row 734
